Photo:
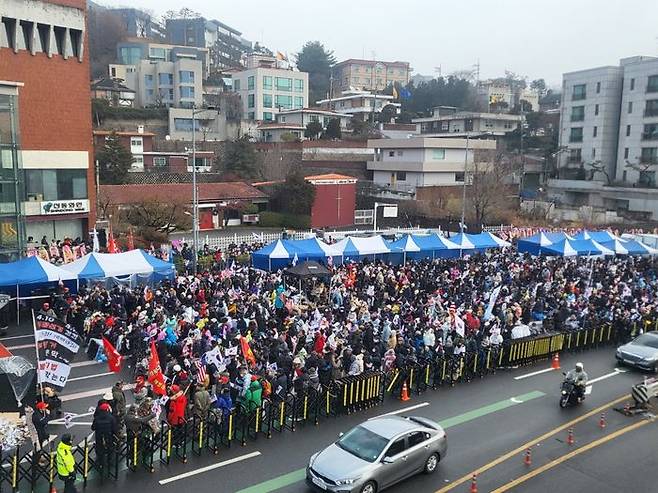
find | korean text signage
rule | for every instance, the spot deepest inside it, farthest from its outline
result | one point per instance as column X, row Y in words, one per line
column 57, row 344
column 64, row 206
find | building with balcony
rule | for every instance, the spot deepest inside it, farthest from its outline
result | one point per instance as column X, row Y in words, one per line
column 267, row 89
column 292, row 123
column 362, row 105
column 406, row 164
column 448, row 121
column 368, row 75
column 46, row 181
column 132, row 51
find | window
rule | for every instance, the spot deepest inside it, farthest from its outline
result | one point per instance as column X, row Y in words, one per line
column 625, row 152
column 282, row 119
column 438, row 154
column 138, row 162
column 186, row 92
column 400, row 153
column 57, row 184
column 575, row 155
column 577, row 113
column 283, row 84
column 165, row 79
column 251, row 100
column 651, row 108
column 397, row 447
column 160, row 161
column 391, row 153
column 652, row 83
column 267, row 100
column 130, row 55
column 267, row 116
column 251, row 115
column 158, row 53
column 598, row 87
column 459, row 176
column 593, row 153
column 186, row 77
column 251, row 82
column 632, row 84
column 281, row 101
column 60, row 40
column 416, row 438
column 579, row 92
column 649, row 155
column 148, row 80
column 299, row 102
column 628, row 130
column 630, row 107
column 167, row 94
column 136, row 142
column 595, row 131
column 625, row 175
column 299, row 85
column 596, row 110
column 267, row 82
column 576, row 134
column 401, row 175
column 236, row 85
column 445, row 126
column 650, row 132
column 185, row 124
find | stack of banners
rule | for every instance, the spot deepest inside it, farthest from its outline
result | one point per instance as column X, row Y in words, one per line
column 57, row 345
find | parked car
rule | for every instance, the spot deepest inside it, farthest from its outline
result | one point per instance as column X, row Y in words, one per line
column 377, row 454
column 641, row 352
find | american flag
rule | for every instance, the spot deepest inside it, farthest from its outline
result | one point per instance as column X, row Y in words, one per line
column 200, row 371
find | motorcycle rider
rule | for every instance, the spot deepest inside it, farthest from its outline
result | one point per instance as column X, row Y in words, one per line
column 578, row 377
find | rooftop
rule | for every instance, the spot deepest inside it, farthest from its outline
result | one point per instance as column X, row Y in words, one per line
column 109, row 84
column 329, row 177
column 124, row 133
column 164, row 192
column 430, row 143
column 371, row 62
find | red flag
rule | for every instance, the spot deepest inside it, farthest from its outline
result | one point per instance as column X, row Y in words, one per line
column 111, row 244
column 247, row 352
column 155, row 376
column 113, row 356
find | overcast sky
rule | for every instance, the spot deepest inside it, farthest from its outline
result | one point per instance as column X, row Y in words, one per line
column 529, row 37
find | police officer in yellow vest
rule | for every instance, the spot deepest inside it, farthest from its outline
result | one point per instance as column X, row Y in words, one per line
column 66, row 464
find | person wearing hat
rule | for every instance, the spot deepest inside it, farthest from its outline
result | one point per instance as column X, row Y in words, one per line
column 105, row 428
column 119, row 408
column 47, row 311
column 66, row 463
column 40, row 420
column 579, row 378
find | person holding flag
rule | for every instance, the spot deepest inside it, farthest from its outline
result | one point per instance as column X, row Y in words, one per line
column 113, row 357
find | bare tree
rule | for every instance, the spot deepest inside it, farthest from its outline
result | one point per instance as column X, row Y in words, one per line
column 643, row 166
column 275, row 164
column 158, row 216
column 598, row 167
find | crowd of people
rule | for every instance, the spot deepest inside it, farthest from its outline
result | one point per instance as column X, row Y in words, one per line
column 232, row 336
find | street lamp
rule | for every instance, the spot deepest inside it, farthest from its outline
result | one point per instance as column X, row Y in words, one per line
column 468, row 136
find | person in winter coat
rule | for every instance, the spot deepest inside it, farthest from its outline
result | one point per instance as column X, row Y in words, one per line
column 40, row 419
column 201, row 403
column 177, row 406
column 224, row 403
column 135, row 423
column 105, row 428
column 119, row 407
column 66, row 463
column 253, row 398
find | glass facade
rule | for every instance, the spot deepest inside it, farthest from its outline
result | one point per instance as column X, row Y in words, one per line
column 281, row 101
column 12, row 227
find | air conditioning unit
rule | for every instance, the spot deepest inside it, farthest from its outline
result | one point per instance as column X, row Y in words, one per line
column 35, row 197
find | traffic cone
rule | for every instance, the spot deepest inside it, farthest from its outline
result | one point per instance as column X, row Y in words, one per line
column 527, row 460
column 405, row 393
column 555, row 363
column 474, row 484
column 52, row 488
column 602, row 421
column 570, row 439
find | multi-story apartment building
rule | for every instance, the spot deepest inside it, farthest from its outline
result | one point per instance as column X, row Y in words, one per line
column 139, row 24
column 403, row 165
column 369, row 75
column 448, row 121
column 608, row 154
column 46, row 181
column 266, row 89
column 176, row 84
column 225, row 43
column 133, row 51
column 362, row 105
column 294, row 122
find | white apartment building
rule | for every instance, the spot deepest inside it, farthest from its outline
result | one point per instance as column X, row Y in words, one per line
column 293, row 123
column 176, row 84
column 403, row 165
column 210, row 125
column 266, row 90
column 362, row 105
column 609, row 119
column 448, row 121
column 490, row 92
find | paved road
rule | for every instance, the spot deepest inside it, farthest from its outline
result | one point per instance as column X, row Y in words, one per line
column 489, row 423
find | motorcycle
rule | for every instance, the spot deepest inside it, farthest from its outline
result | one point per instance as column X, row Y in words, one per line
column 569, row 394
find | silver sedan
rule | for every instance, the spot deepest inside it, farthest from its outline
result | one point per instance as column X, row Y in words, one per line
column 377, row 454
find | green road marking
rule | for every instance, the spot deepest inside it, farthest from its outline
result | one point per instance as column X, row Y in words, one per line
column 299, row 475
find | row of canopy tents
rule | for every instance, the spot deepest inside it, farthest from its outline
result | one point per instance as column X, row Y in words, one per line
column 282, row 253
column 25, row 275
column 585, row 243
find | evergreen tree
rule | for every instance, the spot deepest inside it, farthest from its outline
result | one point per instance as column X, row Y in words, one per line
column 333, row 130
column 313, row 130
column 315, row 59
column 240, row 158
column 114, row 161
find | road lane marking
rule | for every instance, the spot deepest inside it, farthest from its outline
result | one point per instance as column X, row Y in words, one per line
column 522, row 448
column 91, row 393
column 16, row 337
column 75, row 379
column 21, row 346
column 78, row 364
column 299, row 475
column 534, row 373
column 608, row 375
column 209, row 468
column 403, row 410
column 570, row 455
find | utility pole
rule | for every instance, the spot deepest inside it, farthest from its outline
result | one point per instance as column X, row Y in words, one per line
column 461, row 225
column 195, row 205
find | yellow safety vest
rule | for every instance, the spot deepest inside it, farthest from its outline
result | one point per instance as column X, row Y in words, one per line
column 65, row 460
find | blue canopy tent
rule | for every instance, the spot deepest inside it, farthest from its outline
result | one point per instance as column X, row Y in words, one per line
column 470, row 243
column 312, row 249
column 490, row 240
column 275, row 256
column 120, row 265
column 406, row 248
column 358, row 248
column 598, row 236
column 536, row 243
column 629, row 247
column 423, row 247
column 572, row 248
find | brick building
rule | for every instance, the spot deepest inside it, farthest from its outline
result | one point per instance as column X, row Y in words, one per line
column 335, row 200
column 44, row 83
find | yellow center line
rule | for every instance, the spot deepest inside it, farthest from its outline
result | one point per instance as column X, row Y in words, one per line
column 568, row 456
column 523, row 447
